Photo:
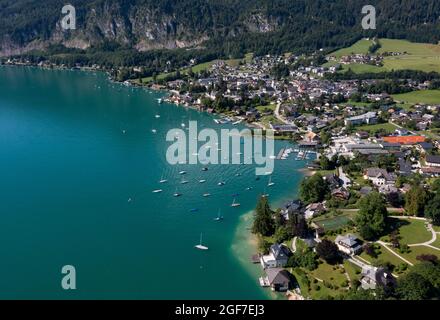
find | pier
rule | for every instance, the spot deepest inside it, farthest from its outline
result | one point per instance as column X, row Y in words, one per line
column 280, row 154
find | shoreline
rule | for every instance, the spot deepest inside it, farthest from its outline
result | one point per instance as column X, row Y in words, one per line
column 243, row 243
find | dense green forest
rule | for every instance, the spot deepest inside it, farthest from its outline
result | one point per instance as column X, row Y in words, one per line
column 113, row 30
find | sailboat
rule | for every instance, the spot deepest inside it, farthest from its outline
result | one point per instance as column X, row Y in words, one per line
column 183, row 181
column 235, row 204
column 182, row 172
column 219, row 217
column 221, row 183
column 202, row 180
column 206, row 195
column 270, row 181
column 157, row 116
column 201, row 246
column 162, row 180
column 176, row 194
column 154, row 130
column 157, row 191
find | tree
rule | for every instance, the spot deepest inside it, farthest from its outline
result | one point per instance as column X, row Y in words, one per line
column 263, row 223
column 328, row 251
column 313, row 189
column 432, row 210
column 281, row 234
column 415, row 200
column 297, row 225
column 436, row 186
column 413, row 286
column 395, row 199
column 431, row 272
column 372, row 215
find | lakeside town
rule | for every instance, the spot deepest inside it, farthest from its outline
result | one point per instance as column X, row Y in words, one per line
column 366, row 220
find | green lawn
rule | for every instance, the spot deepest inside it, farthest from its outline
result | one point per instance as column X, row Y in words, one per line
column 416, row 251
column 384, row 256
column 265, row 120
column 420, row 56
column 436, row 243
column 332, row 275
column 359, row 47
column 351, row 270
column 421, row 96
column 411, row 231
column 436, row 229
column 388, row 127
column 361, row 68
column 266, row 107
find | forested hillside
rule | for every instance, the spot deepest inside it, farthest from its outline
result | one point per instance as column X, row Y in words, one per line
column 136, row 31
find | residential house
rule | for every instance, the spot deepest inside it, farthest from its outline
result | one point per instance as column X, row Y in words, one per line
column 341, row 194
column 314, row 209
column 375, row 276
column 278, row 256
column 278, row 279
column 367, row 118
column 333, row 181
column 432, row 161
column 291, row 208
column 348, row 244
column 379, row 177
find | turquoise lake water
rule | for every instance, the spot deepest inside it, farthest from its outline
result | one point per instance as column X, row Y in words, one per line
column 67, row 172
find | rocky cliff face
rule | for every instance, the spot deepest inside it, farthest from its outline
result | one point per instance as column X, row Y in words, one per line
column 137, row 24
column 159, row 24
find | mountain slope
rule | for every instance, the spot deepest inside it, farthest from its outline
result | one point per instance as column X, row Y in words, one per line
column 226, row 27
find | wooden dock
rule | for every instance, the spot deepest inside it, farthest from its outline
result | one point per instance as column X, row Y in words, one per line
column 280, row 154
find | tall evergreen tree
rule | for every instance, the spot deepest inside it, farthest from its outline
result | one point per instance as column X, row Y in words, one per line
column 263, row 223
column 415, row 200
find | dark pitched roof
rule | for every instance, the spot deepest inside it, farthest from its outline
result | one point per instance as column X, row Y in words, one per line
column 280, row 251
column 433, row 159
column 278, row 276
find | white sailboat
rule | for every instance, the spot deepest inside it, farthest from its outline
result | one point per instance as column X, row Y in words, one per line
column 183, row 181
column 162, row 180
column 176, row 194
column 201, row 246
column 202, row 181
column 206, row 195
column 219, row 217
column 157, row 191
column 235, row 204
column 270, row 183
